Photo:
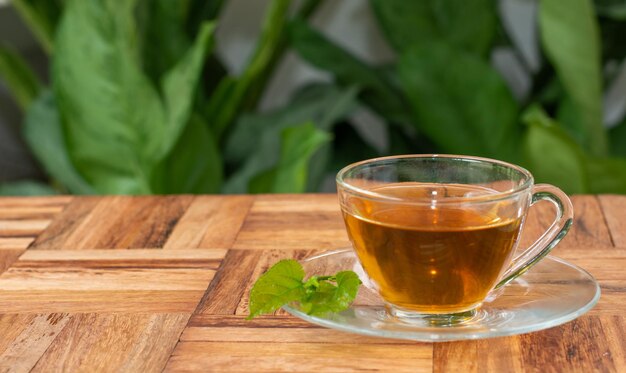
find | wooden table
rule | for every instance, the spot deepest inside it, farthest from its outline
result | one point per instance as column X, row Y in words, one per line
column 147, row 284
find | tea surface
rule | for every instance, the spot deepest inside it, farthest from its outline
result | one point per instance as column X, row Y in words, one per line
column 432, row 258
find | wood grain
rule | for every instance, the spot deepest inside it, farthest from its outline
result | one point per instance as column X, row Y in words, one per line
column 20, row 243
column 26, row 337
column 582, row 345
column 21, row 228
column 74, row 298
column 292, row 222
column 112, row 280
column 8, row 257
column 487, row 355
column 117, row 222
column 614, row 208
column 210, row 222
column 34, row 202
column 299, row 357
column 226, row 290
column 65, row 223
column 138, row 258
column 113, row 343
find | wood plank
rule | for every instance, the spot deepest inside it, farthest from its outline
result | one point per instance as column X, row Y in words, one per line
column 106, row 279
column 35, row 201
column 65, row 224
column 122, row 222
column 8, row 257
column 15, row 243
column 210, row 222
column 205, row 320
column 116, row 222
column 25, row 338
column 155, row 280
column 232, row 278
column 137, row 258
column 21, row 228
column 293, row 222
column 292, row 239
column 12, row 325
column 30, row 213
column 77, row 301
column 279, row 335
column 114, row 343
column 588, row 344
column 614, row 328
column 580, row 345
column 279, row 203
column 486, row 355
column 614, row 208
column 300, row 357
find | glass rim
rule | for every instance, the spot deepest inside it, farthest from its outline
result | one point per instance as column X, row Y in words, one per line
column 498, row 195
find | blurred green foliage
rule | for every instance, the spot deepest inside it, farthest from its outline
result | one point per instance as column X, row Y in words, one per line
column 140, row 103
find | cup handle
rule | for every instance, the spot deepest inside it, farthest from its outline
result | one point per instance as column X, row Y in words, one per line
column 551, row 237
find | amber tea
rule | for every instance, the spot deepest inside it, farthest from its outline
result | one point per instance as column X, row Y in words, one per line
column 432, row 258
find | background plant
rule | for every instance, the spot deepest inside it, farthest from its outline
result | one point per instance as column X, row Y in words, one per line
column 139, row 103
column 442, row 94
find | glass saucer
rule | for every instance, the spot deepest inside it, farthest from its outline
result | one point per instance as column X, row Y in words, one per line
column 553, row 292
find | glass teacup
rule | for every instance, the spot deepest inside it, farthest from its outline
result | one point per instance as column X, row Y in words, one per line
column 436, row 234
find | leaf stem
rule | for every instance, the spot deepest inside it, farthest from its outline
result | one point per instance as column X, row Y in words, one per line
column 40, row 27
column 257, row 87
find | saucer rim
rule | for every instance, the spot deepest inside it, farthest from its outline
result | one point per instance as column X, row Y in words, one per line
column 447, row 337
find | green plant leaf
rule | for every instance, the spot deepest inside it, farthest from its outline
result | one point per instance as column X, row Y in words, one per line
column 569, row 116
column 297, row 146
column 551, row 154
column 322, row 104
column 283, row 283
column 470, row 25
column 194, row 165
column 571, row 40
column 42, row 17
column 44, row 135
column 180, row 84
column 19, row 78
column 607, row 175
column 201, row 11
column 164, row 38
column 270, row 170
column 26, row 188
column 280, row 285
column 377, row 92
column 230, row 95
column 114, row 121
column 459, row 101
column 333, row 298
column 617, row 135
column 254, row 147
column 615, row 9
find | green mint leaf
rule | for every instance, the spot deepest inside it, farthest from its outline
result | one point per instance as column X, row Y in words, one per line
column 284, row 283
column 330, row 297
column 281, row 284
